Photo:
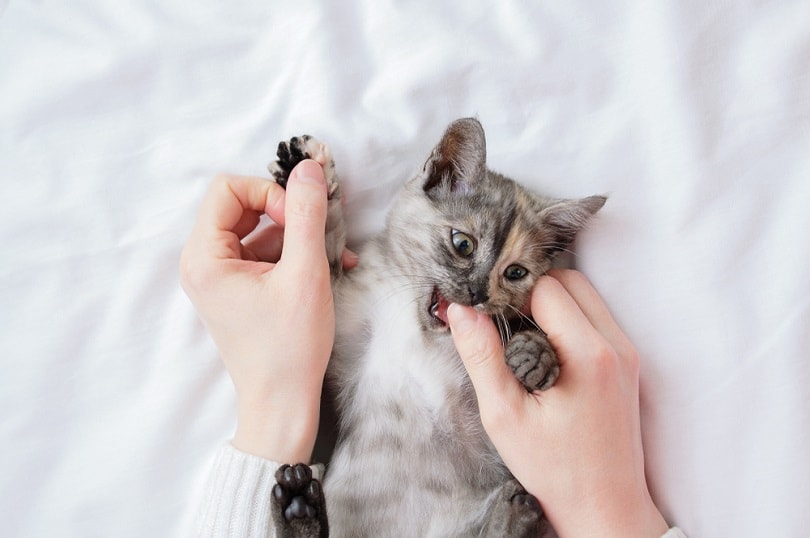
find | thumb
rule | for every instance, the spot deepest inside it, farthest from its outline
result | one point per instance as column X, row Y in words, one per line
column 305, row 216
column 479, row 345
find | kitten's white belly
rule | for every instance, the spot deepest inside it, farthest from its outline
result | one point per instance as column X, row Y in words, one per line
column 415, row 459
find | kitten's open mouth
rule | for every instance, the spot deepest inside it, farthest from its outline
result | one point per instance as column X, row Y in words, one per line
column 438, row 307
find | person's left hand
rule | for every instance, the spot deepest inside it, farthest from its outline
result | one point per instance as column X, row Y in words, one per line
column 267, row 303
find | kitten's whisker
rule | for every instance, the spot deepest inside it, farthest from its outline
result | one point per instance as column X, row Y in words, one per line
column 505, row 329
column 524, row 317
column 502, row 328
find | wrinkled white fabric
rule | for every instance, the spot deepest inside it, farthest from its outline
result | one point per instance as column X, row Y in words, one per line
column 694, row 117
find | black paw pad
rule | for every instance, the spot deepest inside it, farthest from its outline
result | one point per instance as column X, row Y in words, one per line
column 289, row 154
column 297, row 493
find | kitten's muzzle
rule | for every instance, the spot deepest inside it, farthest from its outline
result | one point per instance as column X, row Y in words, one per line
column 478, row 295
column 437, row 306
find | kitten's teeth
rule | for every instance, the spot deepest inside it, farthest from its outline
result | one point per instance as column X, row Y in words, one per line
column 438, row 307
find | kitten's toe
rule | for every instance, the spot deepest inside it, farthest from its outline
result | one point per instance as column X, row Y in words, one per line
column 533, row 360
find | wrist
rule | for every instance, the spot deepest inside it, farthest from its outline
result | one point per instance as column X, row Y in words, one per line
column 282, row 429
column 613, row 517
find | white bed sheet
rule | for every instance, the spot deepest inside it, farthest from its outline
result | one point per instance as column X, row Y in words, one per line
column 694, row 117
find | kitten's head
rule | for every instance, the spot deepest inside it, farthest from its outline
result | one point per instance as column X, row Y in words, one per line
column 462, row 233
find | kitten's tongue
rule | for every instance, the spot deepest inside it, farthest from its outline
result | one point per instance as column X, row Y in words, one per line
column 441, row 312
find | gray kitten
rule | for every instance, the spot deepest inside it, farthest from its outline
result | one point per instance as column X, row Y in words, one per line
column 412, row 457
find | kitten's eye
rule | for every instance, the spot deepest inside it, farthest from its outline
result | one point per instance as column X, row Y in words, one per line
column 515, row 272
column 463, row 243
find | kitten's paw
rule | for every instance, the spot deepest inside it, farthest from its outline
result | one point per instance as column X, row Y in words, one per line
column 298, row 503
column 292, row 152
column 298, row 148
column 533, row 360
column 515, row 512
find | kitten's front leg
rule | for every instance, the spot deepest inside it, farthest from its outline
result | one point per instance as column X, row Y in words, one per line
column 533, row 360
column 292, row 152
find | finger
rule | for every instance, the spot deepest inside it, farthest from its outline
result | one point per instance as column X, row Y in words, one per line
column 594, row 308
column 570, row 332
column 247, row 223
column 305, row 216
column 266, row 243
column 230, row 196
column 479, row 346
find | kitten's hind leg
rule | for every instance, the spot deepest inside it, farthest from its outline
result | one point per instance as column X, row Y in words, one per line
column 532, row 359
column 298, row 506
column 292, row 152
column 514, row 512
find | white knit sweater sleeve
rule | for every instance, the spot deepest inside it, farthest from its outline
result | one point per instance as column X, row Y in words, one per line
column 237, row 495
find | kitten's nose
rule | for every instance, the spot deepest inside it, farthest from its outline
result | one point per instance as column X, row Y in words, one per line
column 478, row 295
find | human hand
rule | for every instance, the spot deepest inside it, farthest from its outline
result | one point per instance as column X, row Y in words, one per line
column 266, row 300
column 576, row 446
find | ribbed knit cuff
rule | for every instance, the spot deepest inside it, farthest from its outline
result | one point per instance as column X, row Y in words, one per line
column 237, row 496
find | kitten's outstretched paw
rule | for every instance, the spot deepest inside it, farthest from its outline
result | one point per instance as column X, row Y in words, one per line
column 298, row 148
column 299, row 506
column 292, row 152
column 533, row 360
column 515, row 512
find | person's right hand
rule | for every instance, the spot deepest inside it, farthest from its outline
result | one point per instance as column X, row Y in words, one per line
column 577, row 446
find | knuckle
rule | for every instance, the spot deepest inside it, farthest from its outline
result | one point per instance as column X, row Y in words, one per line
column 604, row 361
column 194, row 276
column 613, row 362
column 220, row 181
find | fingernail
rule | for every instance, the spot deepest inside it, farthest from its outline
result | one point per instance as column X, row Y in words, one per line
column 308, row 171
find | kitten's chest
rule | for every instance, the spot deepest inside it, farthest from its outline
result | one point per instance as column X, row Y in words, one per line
column 406, row 390
column 397, row 357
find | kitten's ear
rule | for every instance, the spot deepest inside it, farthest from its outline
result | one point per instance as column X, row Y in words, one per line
column 458, row 160
column 567, row 217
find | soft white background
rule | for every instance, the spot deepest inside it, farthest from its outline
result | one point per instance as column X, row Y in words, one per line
column 693, row 116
